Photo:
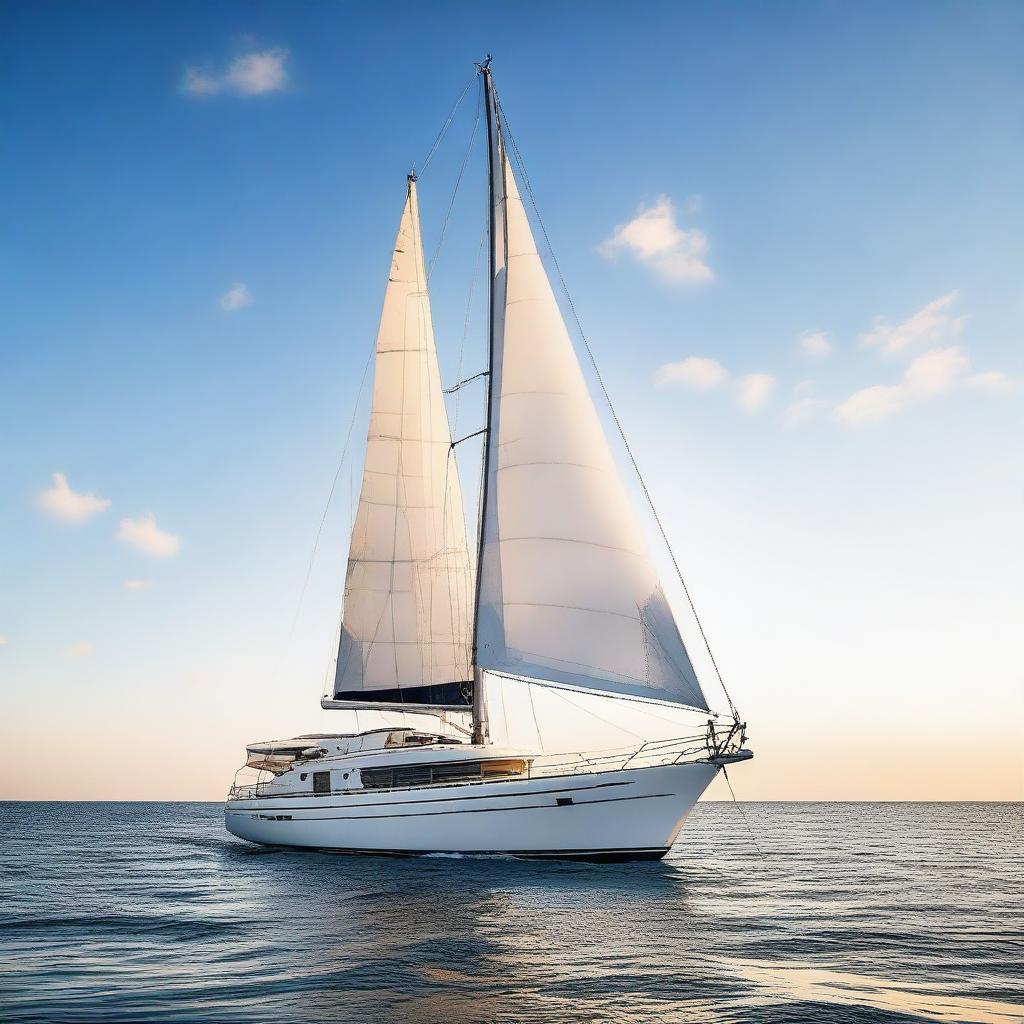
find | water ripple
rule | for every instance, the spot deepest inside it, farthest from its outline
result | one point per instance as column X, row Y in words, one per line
column 858, row 913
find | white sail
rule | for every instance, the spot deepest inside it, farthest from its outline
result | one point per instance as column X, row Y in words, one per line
column 407, row 624
column 568, row 592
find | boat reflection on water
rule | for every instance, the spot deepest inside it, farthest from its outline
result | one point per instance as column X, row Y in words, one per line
column 858, row 912
column 852, row 906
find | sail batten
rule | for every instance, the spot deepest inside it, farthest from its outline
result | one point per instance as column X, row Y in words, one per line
column 407, row 629
column 567, row 590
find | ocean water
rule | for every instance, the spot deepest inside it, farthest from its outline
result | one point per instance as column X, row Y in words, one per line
column 849, row 912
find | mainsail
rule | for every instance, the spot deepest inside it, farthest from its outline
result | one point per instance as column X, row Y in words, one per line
column 407, row 631
column 567, row 591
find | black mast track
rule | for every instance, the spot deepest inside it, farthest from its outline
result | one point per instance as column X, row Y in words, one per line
column 480, row 730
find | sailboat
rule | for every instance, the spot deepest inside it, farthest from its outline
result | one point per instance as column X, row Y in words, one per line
column 538, row 701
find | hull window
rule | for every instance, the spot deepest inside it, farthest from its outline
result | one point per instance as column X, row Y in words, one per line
column 406, row 775
column 321, row 783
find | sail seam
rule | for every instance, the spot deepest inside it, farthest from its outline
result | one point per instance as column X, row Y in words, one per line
column 575, row 540
column 573, row 608
column 550, row 462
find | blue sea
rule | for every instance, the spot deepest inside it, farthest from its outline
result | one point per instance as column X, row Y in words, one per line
column 771, row 912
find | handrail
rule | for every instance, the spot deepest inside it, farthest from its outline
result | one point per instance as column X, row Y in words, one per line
column 651, row 753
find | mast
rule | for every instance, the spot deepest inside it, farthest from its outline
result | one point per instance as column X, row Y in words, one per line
column 481, row 731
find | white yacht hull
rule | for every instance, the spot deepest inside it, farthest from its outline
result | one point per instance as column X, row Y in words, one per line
column 615, row 815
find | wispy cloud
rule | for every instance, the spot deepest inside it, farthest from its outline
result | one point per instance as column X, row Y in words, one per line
column 701, row 373
column 61, row 502
column 804, row 409
column 654, row 238
column 236, row 297
column 197, row 82
column 930, row 324
column 754, row 391
column 698, row 373
column 928, row 376
column 137, row 584
column 144, row 535
column 80, row 650
column 3, row 640
column 995, row 382
column 251, row 74
column 815, row 344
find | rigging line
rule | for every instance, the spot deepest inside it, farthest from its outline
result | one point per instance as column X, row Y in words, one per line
column 334, row 484
column 459, row 640
column 615, row 416
column 333, row 653
column 465, row 323
column 533, row 711
column 463, row 383
column 477, row 433
column 445, row 516
column 446, row 125
column 453, row 429
column 455, row 192
column 743, row 815
column 594, row 714
column 452, row 463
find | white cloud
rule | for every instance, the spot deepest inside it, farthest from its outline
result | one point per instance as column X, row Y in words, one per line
column 236, row 297
column 252, row 74
column 137, row 584
column 61, row 502
column 803, row 387
column 803, row 410
column 995, row 382
column 144, row 535
column 197, row 82
column 80, row 650
column 3, row 640
column 815, row 344
column 755, row 390
column 935, row 372
column 930, row 324
column 654, row 238
column 872, row 404
column 699, row 373
column 256, row 73
column 928, row 376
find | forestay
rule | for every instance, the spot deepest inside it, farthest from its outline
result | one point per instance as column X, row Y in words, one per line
column 406, row 631
column 568, row 591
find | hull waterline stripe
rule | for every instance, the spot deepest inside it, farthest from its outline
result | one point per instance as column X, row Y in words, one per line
column 433, row 800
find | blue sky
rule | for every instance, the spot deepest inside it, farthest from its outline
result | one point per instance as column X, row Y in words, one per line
column 761, row 212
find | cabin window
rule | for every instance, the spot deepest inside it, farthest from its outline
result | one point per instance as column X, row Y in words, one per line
column 321, row 783
column 407, row 775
